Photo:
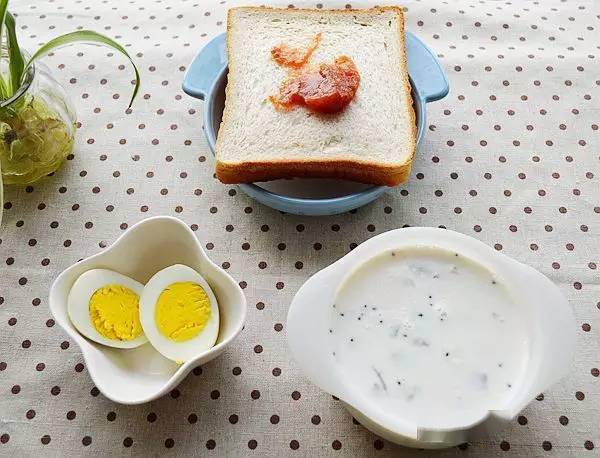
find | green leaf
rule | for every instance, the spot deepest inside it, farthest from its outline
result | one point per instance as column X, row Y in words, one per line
column 86, row 36
column 4, row 92
column 3, row 9
column 16, row 63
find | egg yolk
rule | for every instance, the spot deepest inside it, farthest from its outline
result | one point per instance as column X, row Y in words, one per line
column 114, row 310
column 182, row 311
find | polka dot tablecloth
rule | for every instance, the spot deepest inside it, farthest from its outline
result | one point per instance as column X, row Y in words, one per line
column 511, row 157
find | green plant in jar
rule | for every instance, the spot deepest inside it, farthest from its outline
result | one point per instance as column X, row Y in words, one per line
column 37, row 120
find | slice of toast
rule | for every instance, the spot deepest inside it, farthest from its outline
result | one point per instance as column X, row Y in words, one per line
column 372, row 140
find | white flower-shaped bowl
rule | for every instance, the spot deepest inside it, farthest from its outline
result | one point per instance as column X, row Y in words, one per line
column 139, row 375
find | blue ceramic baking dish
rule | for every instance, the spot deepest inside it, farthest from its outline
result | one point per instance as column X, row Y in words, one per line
column 206, row 79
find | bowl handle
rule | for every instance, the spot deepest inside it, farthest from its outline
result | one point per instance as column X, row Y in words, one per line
column 307, row 327
column 205, row 67
column 425, row 70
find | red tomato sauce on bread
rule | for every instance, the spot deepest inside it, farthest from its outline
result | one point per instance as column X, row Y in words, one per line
column 327, row 88
column 286, row 56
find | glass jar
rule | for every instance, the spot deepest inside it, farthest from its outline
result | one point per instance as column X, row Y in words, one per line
column 37, row 128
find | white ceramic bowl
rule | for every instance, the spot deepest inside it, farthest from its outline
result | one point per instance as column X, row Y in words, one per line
column 545, row 310
column 142, row 374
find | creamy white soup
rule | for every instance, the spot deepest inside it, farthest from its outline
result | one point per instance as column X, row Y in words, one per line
column 429, row 337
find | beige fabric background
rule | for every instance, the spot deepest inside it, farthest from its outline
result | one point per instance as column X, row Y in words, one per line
column 511, row 157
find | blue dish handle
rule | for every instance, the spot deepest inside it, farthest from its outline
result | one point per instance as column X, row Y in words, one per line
column 425, row 70
column 205, row 67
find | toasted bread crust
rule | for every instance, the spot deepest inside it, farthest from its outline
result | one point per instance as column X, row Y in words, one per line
column 353, row 170
column 248, row 172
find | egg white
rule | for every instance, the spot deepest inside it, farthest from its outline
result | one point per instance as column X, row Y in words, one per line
column 78, row 304
column 177, row 351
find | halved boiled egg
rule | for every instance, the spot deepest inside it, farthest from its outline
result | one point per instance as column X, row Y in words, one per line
column 179, row 313
column 104, row 306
